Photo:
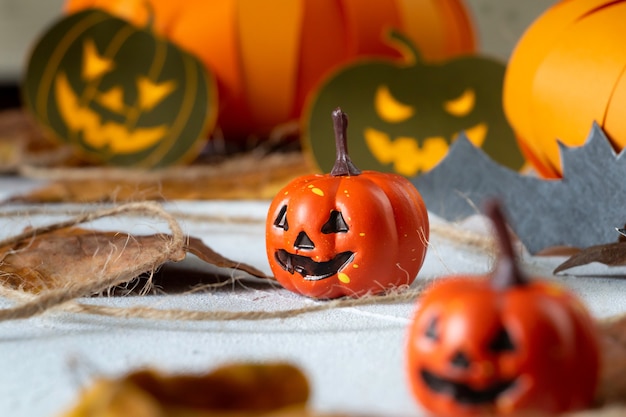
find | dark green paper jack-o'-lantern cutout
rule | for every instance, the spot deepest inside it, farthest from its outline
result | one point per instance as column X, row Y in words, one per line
column 118, row 93
column 404, row 115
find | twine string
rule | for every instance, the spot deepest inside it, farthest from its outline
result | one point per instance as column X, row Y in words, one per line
column 65, row 298
column 173, row 250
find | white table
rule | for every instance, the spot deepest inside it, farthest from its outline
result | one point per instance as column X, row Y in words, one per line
column 352, row 356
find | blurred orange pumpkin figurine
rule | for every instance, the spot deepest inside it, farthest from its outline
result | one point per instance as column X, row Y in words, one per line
column 501, row 343
column 347, row 233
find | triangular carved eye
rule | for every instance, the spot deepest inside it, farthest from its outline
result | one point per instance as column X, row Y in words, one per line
column 281, row 219
column 152, row 93
column 431, row 331
column 502, row 342
column 95, row 64
column 335, row 224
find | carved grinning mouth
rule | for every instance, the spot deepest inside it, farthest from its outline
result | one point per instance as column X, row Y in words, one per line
column 308, row 268
column 462, row 393
column 101, row 134
column 408, row 156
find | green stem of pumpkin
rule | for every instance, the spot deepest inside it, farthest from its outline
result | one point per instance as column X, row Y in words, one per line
column 405, row 46
column 343, row 164
column 150, row 25
column 506, row 273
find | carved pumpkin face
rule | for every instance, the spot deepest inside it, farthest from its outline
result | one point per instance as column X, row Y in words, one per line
column 411, row 111
column 347, row 233
column 498, row 344
column 118, row 93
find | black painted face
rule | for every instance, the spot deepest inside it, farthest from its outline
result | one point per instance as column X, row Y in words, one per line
column 310, row 269
column 464, row 393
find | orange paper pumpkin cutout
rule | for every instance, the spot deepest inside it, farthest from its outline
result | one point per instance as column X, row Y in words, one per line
column 566, row 72
column 268, row 55
column 347, row 233
column 502, row 344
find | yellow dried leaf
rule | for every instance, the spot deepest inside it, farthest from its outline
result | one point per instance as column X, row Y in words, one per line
column 274, row 389
column 109, row 398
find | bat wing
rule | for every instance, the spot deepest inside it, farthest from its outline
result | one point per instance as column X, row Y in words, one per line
column 580, row 210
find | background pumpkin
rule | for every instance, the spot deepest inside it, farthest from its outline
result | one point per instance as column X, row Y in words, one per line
column 87, row 85
column 268, row 55
column 565, row 73
column 502, row 343
column 347, row 233
column 408, row 111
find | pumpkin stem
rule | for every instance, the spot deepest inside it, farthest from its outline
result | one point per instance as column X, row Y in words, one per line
column 506, row 273
column 405, row 46
column 150, row 25
column 343, row 164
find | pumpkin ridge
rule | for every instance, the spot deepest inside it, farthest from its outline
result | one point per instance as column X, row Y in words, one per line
column 180, row 122
column 597, row 9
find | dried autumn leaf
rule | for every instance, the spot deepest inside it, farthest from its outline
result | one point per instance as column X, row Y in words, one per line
column 73, row 256
column 612, row 381
column 196, row 247
column 237, row 389
column 23, row 142
column 611, row 254
column 243, row 177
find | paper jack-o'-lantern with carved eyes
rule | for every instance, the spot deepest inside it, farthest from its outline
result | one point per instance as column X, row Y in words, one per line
column 347, row 233
column 409, row 112
column 118, row 93
column 502, row 344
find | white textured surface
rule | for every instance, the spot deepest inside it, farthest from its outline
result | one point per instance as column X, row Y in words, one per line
column 353, row 356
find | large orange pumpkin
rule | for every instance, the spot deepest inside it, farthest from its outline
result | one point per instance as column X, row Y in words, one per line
column 267, row 55
column 566, row 72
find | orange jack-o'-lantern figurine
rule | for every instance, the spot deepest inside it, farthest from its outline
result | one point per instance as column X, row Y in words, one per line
column 501, row 343
column 347, row 233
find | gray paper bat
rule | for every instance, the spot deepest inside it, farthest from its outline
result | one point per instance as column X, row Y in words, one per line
column 582, row 209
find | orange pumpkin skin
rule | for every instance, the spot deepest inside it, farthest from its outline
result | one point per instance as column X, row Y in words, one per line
column 387, row 228
column 501, row 343
column 378, row 243
column 553, row 365
column 566, row 72
column 277, row 51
